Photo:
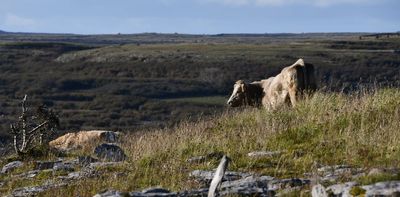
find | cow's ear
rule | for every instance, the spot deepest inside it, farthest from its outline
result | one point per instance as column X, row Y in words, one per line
column 243, row 87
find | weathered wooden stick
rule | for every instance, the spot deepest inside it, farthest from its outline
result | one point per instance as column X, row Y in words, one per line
column 24, row 125
column 219, row 174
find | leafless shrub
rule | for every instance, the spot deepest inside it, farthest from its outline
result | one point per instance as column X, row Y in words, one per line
column 33, row 130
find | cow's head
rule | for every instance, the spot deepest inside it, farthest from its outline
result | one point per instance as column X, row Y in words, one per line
column 238, row 96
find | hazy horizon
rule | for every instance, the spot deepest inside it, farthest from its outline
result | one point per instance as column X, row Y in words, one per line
column 199, row 16
column 205, row 34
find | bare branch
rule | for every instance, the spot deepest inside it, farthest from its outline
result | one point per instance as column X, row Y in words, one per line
column 23, row 133
column 13, row 129
column 38, row 127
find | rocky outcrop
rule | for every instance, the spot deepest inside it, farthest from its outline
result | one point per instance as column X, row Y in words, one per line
column 11, row 166
column 233, row 183
column 111, row 193
column 342, row 189
column 331, row 174
column 43, row 165
column 204, row 176
column 242, row 184
column 34, row 190
column 388, row 188
column 75, row 170
column 247, row 184
column 318, row 191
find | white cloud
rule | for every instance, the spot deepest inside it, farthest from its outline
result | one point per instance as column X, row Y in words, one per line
column 320, row 3
column 13, row 20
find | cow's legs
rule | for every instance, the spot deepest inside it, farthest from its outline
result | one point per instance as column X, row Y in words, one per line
column 293, row 97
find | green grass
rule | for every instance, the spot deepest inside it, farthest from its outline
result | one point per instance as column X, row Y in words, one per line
column 371, row 179
column 357, row 191
column 360, row 129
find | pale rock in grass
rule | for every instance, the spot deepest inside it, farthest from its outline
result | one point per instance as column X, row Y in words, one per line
column 250, row 181
column 318, row 191
column 376, row 171
column 35, row 190
column 247, row 191
column 11, row 166
column 330, row 169
column 197, row 192
column 63, row 167
column 206, row 176
column 110, row 193
column 249, row 186
column 29, row 174
column 85, row 173
column 341, row 189
column 153, row 192
column 380, row 171
column 103, row 164
column 43, row 165
column 333, row 173
column 278, row 184
column 388, row 188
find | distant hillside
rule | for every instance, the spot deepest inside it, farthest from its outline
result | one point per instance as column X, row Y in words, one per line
column 128, row 82
column 163, row 38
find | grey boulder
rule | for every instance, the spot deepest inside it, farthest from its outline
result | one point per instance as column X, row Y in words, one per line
column 109, row 152
column 388, row 188
column 207, row 176
column 11, row 166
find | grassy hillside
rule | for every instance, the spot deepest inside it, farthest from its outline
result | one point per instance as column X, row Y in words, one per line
column 359, row 129
column 129, row 82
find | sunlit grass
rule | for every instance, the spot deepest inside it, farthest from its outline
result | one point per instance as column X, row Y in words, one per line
column 359, row 129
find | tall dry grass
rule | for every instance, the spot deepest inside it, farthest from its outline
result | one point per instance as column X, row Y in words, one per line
column 361, row 129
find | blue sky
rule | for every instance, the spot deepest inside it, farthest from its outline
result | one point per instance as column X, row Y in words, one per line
column 199, row 16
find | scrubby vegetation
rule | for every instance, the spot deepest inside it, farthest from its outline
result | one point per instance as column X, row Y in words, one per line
column 129, row 82
column 167, row 93
column 359, row 129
